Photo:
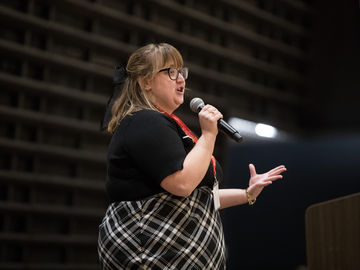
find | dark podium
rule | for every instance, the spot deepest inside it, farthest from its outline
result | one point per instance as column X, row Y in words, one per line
column 333, row 234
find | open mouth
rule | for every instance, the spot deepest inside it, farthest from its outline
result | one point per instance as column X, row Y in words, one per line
column 181, row 89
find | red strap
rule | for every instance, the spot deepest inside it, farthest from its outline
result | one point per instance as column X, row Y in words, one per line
column 188, row 133
column 213, row 160
column 183, row 127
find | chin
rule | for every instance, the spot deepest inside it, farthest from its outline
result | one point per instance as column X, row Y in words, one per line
column 179, row 103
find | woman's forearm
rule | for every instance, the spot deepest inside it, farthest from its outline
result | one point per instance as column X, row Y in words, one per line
column 232, row 197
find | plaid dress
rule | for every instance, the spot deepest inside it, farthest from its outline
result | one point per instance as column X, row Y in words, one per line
column 163, row 232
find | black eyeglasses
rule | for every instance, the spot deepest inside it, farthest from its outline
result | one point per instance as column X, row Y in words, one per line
column 174, row 73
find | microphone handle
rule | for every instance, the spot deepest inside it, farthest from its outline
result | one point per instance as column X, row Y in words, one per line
column 229, row 131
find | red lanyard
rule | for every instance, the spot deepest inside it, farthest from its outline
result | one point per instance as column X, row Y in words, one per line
column 190, row 134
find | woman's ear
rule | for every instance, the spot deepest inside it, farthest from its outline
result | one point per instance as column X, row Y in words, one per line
column 144, row 83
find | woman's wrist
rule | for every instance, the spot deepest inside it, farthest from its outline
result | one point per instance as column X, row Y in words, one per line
column 250, row 200
column 209, row 136
column 207, row 141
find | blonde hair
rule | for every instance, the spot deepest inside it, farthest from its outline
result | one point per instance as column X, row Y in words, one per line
column 143, row 63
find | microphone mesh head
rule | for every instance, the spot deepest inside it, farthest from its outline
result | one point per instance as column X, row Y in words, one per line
column 195, row 103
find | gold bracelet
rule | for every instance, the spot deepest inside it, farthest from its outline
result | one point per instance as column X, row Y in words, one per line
column 251, row 202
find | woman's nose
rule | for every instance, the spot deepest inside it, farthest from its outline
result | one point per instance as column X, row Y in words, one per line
column 180, row 77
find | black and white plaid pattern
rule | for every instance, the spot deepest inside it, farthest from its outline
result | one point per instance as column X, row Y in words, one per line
column 163, row 232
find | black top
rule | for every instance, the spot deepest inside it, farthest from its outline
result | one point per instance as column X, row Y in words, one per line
column 147, row 147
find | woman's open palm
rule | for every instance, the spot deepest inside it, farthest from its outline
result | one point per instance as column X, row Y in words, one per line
column 259, row 181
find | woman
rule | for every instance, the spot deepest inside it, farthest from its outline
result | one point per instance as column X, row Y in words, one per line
column 160, row 177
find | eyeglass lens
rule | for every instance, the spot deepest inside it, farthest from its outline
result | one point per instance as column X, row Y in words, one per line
column 174, row 73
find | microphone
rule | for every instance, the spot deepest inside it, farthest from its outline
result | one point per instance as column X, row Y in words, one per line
column 196, row 105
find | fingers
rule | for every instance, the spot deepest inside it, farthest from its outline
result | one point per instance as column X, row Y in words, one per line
column 275, row 177
column 270, row 179
column 211, row 112
column 274, row 171
column 277, row 170
column 252, row 170
column 209, row 117
column 267, row 181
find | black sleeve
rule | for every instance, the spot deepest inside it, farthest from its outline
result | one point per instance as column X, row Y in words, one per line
column 153, row 142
